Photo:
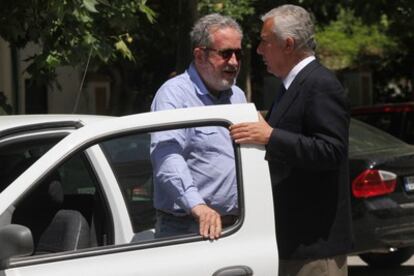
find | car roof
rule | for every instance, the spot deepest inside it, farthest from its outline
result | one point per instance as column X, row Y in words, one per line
column 16, row 123
column 12, row 121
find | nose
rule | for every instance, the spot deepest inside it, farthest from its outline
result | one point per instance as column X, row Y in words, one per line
column 233, row 60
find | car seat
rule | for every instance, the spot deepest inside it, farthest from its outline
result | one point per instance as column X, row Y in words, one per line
column 53, row 229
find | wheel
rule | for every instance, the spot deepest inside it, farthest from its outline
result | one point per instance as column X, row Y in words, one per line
column 388, row 260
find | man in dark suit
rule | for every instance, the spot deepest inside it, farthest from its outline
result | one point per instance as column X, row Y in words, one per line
column 306, row 139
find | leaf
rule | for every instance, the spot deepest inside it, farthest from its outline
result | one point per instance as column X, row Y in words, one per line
column 89, row 39
column 52, row 60
column 90, row 5
column 147, row 11
column 124, row 50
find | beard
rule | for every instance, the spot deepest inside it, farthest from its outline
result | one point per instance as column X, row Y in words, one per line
column 223, row 79
column 226, row 84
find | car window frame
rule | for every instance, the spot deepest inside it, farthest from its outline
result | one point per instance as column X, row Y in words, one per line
column 110, row 249
column 200, row 123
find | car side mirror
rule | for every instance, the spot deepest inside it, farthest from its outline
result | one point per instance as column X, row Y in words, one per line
column 15, row 241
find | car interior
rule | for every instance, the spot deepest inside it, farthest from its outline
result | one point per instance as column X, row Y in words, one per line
column 60, row 215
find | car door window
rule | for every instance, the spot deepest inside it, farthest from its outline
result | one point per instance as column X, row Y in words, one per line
column 131, row 162
column 83, row 193
column 16, row 155
column 65, row 210
column 129, row 157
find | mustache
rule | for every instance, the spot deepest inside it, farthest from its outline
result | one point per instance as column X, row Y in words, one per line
column 230, row 68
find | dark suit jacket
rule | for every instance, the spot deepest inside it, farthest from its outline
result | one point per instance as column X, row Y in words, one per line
column 308, row 161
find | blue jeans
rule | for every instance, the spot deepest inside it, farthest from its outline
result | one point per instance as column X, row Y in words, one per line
column 169, row 225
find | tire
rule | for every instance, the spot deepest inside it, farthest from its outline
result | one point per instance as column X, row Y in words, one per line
column 388, row 260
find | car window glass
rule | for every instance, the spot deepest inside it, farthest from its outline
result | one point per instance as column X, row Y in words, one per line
column 365, row 138
column 129, row 157
column 390, row 122
column 65, row 211
column 17, row 156
column 409, row 128
column 131, row 162
column 76, row 176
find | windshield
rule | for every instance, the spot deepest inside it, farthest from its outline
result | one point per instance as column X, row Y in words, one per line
column 399, row 124
column 16, row 156
column 365, row 138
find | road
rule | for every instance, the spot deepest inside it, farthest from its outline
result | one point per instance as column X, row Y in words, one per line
column 356, row 267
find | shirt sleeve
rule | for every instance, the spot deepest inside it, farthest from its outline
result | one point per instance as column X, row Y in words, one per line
column 170, row 167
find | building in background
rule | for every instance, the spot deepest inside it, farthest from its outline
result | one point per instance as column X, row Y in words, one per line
column 60, row 97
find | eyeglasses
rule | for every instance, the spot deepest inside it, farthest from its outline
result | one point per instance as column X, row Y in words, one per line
column 226, row 54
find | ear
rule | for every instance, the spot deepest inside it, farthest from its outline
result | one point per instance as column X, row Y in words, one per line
column 289, row 44
column 198, row 55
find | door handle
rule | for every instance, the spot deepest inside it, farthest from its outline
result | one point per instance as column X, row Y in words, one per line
column 239, row 270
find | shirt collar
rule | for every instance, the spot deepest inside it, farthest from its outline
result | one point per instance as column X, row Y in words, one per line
column 200, row 88
column 295, row 70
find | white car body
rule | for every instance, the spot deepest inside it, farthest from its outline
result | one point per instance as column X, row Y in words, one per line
column 249, row 246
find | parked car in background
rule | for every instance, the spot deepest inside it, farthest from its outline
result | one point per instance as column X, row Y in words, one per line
column 394, row 118
column 382, row 184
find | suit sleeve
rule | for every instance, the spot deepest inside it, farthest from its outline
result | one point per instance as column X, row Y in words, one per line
column 322, row 143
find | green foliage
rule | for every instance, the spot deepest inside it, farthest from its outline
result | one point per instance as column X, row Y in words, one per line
column 347, row 40
column 69, row 30
column 244, row 11
column 350, row 34
column 238, row 9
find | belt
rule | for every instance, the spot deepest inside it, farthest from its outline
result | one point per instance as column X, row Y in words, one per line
column 226, row 220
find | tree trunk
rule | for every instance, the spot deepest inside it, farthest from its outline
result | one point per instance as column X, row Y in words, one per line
column 187, row 10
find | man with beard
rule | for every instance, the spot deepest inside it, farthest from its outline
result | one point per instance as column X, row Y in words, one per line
column 190, row 194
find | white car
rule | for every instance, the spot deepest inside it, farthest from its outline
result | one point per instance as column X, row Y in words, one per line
column 76, row 199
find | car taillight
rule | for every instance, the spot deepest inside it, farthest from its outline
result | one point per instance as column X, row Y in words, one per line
column 374, row 183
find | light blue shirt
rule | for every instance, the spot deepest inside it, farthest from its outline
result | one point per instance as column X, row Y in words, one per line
column 194, row 165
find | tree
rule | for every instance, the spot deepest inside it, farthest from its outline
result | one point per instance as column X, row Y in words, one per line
column 348, row 43
column 398, row 64
column 70, row 31
column 114, row 34
column 391, row 25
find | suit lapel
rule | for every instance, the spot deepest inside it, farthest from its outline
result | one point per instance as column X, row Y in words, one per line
column 291, row 93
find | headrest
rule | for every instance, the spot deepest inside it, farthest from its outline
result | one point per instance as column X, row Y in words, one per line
column 46, row 196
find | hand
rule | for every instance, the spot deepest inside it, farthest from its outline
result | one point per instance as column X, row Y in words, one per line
column 252, row 133
column 209, row 220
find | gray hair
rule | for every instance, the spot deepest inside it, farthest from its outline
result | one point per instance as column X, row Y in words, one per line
column 200, row 35
column 293, row 21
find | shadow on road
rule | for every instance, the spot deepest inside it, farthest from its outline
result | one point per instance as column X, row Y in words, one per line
column 361, row 270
